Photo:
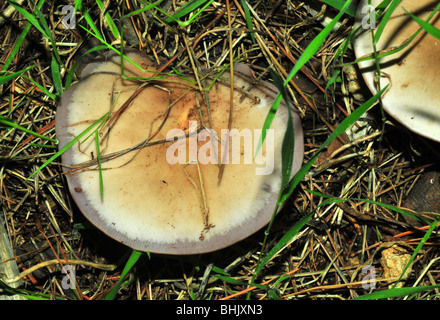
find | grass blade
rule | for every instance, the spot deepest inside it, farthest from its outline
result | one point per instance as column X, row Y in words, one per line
column 70, row 144
column 384, row 205
column 308, row 53
column 98, row 156
column 12, row 76
column 248, row 18
column 187, row 9
column 16, row 47
column 20, row 40
column 29, row 17
column 237, row 282
column 287, row 154
column 419, row 247
column 385, row 19
column 289, row 235
column 56, row 76
column 109, row 46
column 344, row 125
column 288, row 145
column 86, row 15
column 134, row 257
column 338, row 4
column 11, row 124
column 43, row 89
column 113, row 28
column 396, row 292
column 425, row 25
column 146, row 8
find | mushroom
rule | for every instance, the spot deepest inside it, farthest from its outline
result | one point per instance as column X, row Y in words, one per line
column 413, row 97
column 160, row 158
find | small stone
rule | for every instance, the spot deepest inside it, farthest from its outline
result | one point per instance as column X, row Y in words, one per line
column 394, row 261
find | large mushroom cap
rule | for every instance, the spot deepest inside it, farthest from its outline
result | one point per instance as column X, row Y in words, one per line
column 152, row 199
column 414, row 96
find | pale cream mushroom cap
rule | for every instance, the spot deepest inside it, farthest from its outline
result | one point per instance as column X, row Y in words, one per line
column 148, row 203
column 414, row 95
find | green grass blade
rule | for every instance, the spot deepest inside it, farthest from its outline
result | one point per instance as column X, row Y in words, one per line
column 339, row 4
column 16, row 47
column 289, row 235
column 189, row 8
column 109, row 46
column 71, row 74
column 425, row 25
column 43, row 22
column 42, row 145
column 237, row 282
column 89, row 20
column 56, row 76
column 134, row 257
column 43, row 89
column 248, row 18
column 19, row 41
column 97, row 48
column 69, row 145
column 24, row 293
column 419, row 247
column 384, row 205
column 308, row 53
column 113, row 28
column 283, row 241
column 287, row 154
column 146, row 8
column 5, row 122
column 220, row 271
column 288, row 146
column 343, row 126
column 385, row 19
column 396, row 292
column 17, row 105
column 393, row 208
column 43, row 27
column 30, row 17
column 12, row 76
column 98, row 156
